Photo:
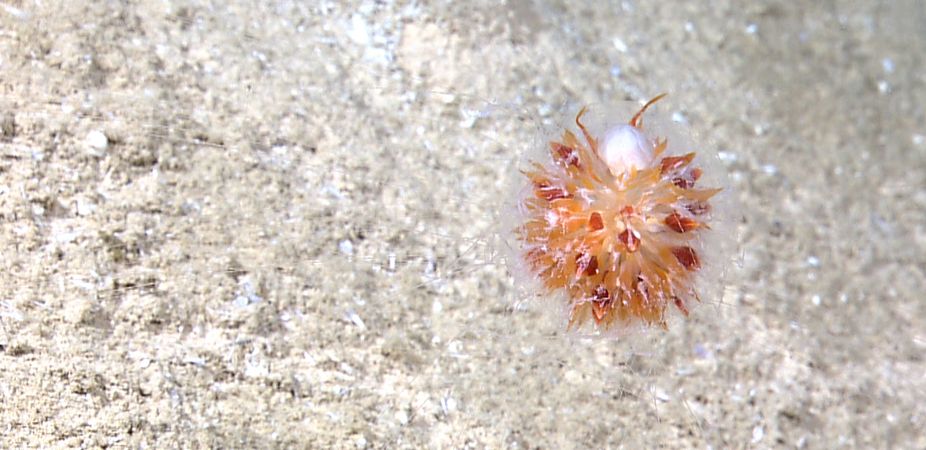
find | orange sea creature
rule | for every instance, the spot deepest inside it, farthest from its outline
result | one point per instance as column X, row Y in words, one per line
column 616, row 225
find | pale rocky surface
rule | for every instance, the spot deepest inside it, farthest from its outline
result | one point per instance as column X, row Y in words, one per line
column 233, row 225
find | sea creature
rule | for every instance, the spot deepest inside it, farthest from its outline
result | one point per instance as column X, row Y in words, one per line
column 615, row 224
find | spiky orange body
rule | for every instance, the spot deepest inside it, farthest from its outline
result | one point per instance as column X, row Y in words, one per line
column 622, row 246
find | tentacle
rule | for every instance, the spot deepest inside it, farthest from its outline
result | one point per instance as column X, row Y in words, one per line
column 637, row 120
column 592, row 142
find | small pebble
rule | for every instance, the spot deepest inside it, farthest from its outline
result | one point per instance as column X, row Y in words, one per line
column 97, row 142
column 448, row 404
column 727, row 157
column 757, row 434
column 355, row 319
column 884, row 87
column 346, row 247
column 619, row 44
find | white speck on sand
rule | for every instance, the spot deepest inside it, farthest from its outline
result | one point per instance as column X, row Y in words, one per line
column 620, row 45
column 346, row 247
column 97, row 143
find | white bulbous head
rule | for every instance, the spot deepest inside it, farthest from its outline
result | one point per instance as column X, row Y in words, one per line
column 624, row 147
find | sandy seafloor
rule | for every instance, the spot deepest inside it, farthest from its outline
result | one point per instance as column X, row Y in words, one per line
column 271, row 225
